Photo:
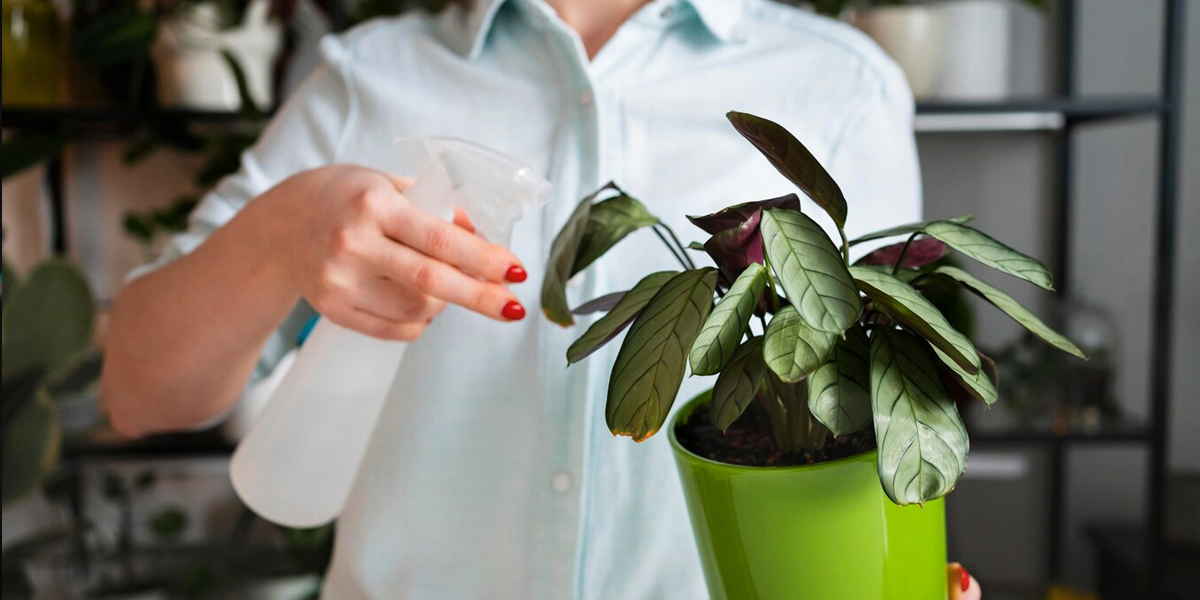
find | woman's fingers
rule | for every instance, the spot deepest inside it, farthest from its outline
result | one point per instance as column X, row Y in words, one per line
column 425, row 275
column 960, row 583
column 375, row 325
column 450, row 243
column 390, row 300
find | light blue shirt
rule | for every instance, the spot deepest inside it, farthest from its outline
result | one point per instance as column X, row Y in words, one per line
column 492, row 475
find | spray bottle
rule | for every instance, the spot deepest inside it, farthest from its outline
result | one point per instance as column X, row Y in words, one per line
column 297, row 464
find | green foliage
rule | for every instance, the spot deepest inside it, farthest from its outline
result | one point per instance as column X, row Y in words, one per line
column 922, row 440
column 729, row 321
column 792, row 348
column 169, row 522
column 612, row 324
column 842, row 346
column 47, row 329
column 738, row 383
column 24, row 150
column 810, row 271
column 839, row 391
column 652, row 359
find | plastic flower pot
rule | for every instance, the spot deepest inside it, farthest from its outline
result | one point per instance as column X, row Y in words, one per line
column 811, row 532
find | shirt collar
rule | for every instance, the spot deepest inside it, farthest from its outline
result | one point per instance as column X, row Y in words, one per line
column 723, row 18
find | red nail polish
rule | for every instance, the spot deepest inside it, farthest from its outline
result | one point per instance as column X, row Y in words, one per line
column 966, row 579
column 516, row 274
column 513, row 311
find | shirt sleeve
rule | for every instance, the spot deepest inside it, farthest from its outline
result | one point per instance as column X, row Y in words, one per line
column 875, row 163
column 307, row 132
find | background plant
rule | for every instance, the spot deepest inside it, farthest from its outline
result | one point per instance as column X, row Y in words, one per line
column 841, row 346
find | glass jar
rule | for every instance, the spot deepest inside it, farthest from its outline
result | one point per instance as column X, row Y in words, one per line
column 32, row 56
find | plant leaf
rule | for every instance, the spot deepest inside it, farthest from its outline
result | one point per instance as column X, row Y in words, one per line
column 905, row 304
column 985, row 249
column 249, row 108
column 810, row 270
column 920, row 253
column 32, row 439
column 652, row 359
column 612, row 324
column 9, row 281
column 24, row 150
column 922, row 441
column 733, row 216
column 738, row 384
column 736, row 248
column 978, row 384
column 1012, row 308
column 839, row 391
column 48, row 319
column 608, row 223
column 603, row 303
column 559, row 266
column 793, row 349
column 793, row 161
column 728, row 322
column 907, row 229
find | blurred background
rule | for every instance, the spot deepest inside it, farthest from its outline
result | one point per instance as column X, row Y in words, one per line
column 1070, row 128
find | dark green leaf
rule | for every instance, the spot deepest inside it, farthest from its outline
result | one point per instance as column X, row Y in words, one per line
column 603, row 303
column 113, row 487
column 793, row 161
column 738, row 384
column 1012, row 308
column 978, row 384
column 31, row 443
column 839, row 391
column 728, row 322
column 733, row 216
column 48, row 320
column 793, row 349
column 24, row 150
column 114, row 37
column 168, row 522
column 907, row 229
column 922, row 441
column 810, row 270
column 985, row 249
column 10, row 282
column 610, row 325
column 21, row 388
column 563, row 251
column 609, row 222
column 901, row 302
column 145, row 480
column 652, row 359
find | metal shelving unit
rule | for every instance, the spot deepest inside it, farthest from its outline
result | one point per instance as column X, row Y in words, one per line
column 1060, row 116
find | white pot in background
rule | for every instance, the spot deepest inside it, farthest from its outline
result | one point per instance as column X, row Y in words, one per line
column 913, row 36
column 192, row 73
column 975, row 64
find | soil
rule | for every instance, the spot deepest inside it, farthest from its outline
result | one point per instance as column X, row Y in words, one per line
column 748, row 442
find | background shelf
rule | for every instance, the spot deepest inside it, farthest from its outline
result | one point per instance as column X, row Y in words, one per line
column 1028, row 114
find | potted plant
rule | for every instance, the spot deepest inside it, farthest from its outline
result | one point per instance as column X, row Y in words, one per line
column 948, row 49
column 815, row 466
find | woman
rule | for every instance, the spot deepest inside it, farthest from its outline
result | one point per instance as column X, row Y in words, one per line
column 491, row 475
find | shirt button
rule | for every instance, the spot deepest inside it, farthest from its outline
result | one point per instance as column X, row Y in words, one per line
column 561, row 481
column 586, row 98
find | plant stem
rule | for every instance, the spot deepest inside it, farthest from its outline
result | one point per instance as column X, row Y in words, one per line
column 904, row 252
column 845, row 246
column 678, row 244
column 771, row 286
column 681, row 258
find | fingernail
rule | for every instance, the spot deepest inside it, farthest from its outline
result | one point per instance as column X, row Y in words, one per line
column 516, row 274
column 513, row 311
column 966, row 578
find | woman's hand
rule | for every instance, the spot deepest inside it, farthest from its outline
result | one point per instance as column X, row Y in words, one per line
column 367, row 258
column 961, row 585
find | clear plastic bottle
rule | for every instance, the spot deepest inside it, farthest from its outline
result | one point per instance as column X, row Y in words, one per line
column 298, row 462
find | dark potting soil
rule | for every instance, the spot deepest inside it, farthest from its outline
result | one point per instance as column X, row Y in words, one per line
column 748, row 442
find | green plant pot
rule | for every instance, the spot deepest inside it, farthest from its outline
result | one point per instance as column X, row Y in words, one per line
column 815, row 532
